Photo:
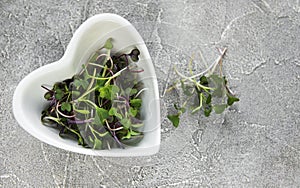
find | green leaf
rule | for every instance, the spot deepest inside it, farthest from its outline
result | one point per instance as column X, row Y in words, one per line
column 84, row 84
column 134, row 58
column 94, row 57
column 133, row 141
column 125, row 122
column 208, row 99
column 75, row 93
column 135, row 52
column 225, row 80
column 130, row 91
column 59, row 85
column 186, row 88
column 128, row 136
column 102, row 114
column 217, row 79
column 135, row 55
column 59, row 94
column 207, row 110
column 231, row 99
column 89, row 141
column 97, row 120
column 113, row 112
column 109, row 92
column 219, row 108
column 218, row 92
column 133, row 92
column 65, row 106
column 174, row 119
column 86, row 75
column 127, row 91
column 104, row 92
column 203, row 80
column 114, row 89
column 133, row 112
column 76, row 83
column 219, row 85
column 80, row 140
column 97, row 144
column 137, row 125
column 136, row 102
column 108, row 44
column 134, row 133
column 79, row 82
column 100, row 83
column 48, row 95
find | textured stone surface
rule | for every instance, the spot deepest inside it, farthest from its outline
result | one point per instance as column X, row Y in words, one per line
column 254, row 144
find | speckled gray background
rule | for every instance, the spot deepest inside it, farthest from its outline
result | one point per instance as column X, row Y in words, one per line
column 254, row 144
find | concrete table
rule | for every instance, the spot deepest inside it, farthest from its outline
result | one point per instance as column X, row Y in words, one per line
column 256, row 143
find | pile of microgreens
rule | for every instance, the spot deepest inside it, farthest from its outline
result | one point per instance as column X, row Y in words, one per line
column 100, row 106
column 206, row 91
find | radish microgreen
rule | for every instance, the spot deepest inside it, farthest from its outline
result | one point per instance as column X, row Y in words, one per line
column 99, row 106
column 207, row 90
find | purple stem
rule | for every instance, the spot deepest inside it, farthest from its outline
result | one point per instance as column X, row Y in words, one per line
column 113, row 133
column 136, row 71
column 115, row 67
column 47, row 89
column 117, row 140
column 53, row 102
column 125, row 99
column 117, row 125
column 111, row 72
column 104, row 103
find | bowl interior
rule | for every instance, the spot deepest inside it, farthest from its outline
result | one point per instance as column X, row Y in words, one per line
column 28, row 101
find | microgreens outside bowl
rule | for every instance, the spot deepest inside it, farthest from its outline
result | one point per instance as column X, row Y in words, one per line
column 28, row 99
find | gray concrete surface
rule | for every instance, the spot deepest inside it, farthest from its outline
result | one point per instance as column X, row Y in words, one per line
column 254, row 144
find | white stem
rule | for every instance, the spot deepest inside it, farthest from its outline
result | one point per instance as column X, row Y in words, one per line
column 212, row 66
column 107, row 57
column 144, row 89
column 191, row 79
column 62, row 114
column 111, row 128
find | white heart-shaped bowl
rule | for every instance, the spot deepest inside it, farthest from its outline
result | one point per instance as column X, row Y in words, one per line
column 28, row 101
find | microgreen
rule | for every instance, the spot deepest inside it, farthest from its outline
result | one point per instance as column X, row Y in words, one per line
column 65, row 106
column 174, row 118
column 114, row 112
column 108, row 44
column 109, row 91
column 209, row 91
column 136, row 102
column 92, row 108
column 231, row 99
column 102, row 114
